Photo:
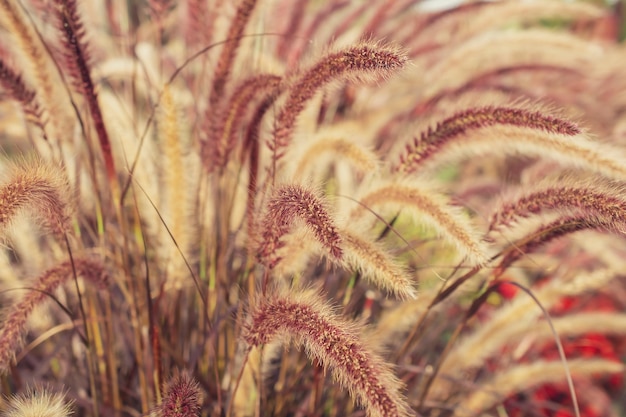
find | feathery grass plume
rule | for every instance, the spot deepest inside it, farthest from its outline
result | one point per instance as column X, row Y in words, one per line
column 16, row 316
column 46, row 77
column 302, row 317
column 522, row 377
column 43, row 188
column 365, row 62
column 434, row 139
column 13, row 83
column 37, row 402
column 594, row 196
column 376, row 265
column 224, row 123
column 558, row 228
column 543, row 138
column 77, row 60
column 182, row 397
column 289, row 203
column 229, row 51
column 428, row 206
column 522, row 313
column 571, row 325
column 177, row 179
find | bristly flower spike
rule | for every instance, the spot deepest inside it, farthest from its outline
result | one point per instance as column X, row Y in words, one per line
column 229, row 51
column 304, row 318
column 289, row 203
column 37, row 402
column 595, row 197
column 364, row 62
column 224, row 122
column 13, row 83
column 428, row 206
column 77, row 59
column 181, row 398
column 376, row 265
column 14, row 323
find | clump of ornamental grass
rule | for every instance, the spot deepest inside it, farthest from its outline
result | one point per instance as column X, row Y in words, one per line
column 294, row 208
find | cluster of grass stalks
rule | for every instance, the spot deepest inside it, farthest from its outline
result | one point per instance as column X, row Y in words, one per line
column 192, row 187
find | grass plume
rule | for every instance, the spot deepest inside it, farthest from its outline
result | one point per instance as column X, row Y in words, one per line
column 366, row 62
column 303, row 318
column 181, row 398
column 37, row 402
column 14, row 323
column 289, row 203
column 434, row 139
column 41, row 187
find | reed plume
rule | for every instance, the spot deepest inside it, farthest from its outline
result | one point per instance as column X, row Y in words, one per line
column 13, row 83
column 376, row 265
column 434, row 139
column 596, row 198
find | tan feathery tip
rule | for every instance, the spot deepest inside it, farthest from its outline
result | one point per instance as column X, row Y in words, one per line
column 428, row 206
column 376, row 265
column 37, row 402
column 334, row 150
column 40, row 186
column 15, row 318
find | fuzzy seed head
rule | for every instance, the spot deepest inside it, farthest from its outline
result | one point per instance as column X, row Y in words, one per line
column 37, row 402
column 432, row 140
column 304, row 318
column 290, row 203
column 182, row 397
column 40, row 186
column 16, row 316
column 367, row 61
